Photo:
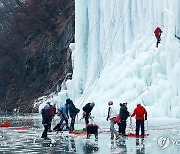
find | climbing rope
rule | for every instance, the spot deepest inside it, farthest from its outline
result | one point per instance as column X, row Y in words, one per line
column 139, row 94
column 82, row 32
column 91, row 85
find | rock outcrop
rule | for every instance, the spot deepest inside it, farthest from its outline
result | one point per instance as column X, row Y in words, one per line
column 34, row 50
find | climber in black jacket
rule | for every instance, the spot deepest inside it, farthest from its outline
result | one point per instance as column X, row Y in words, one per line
column 73, row 111
column 87, row 111
column 124, row 114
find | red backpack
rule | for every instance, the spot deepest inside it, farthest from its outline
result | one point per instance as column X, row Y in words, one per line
column 118, row 120
column 52, row 111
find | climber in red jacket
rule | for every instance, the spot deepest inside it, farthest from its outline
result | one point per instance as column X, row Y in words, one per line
column 141, row 115
column 157, row 33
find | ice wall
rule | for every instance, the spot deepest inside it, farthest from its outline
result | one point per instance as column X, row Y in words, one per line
column 115, row 57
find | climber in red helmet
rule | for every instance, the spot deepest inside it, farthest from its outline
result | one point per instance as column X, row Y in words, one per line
column 157, row 33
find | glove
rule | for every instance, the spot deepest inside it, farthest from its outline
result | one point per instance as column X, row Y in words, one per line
column 145, row 118
column 107, row 119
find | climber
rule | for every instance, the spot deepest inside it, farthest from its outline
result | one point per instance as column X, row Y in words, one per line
column 157, row 33
column 112, row 117
column 52, row 112
column 73, row 111
column 46, row 120
column 63, row 114
column 87, row 111
column 124, row 114
column 141, row 115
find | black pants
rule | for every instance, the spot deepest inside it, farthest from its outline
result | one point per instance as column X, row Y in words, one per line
column 72, row 123
column 139, row 123
column 158, row 40
column 119, row 130
column 44, row 134
column 49, row 125
column 87, row 118
column 122, row 127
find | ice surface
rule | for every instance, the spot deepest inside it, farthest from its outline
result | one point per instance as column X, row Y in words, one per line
column 13, row 140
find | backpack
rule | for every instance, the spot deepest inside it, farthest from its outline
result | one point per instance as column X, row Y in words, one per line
column 52, row 111
column 118, row 120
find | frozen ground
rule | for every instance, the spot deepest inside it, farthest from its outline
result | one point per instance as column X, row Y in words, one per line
column 17, row 139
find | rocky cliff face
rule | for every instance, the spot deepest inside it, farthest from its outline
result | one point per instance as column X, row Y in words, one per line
column 34, row 50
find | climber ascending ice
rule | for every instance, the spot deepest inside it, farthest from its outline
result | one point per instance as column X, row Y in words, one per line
column 157, row 33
